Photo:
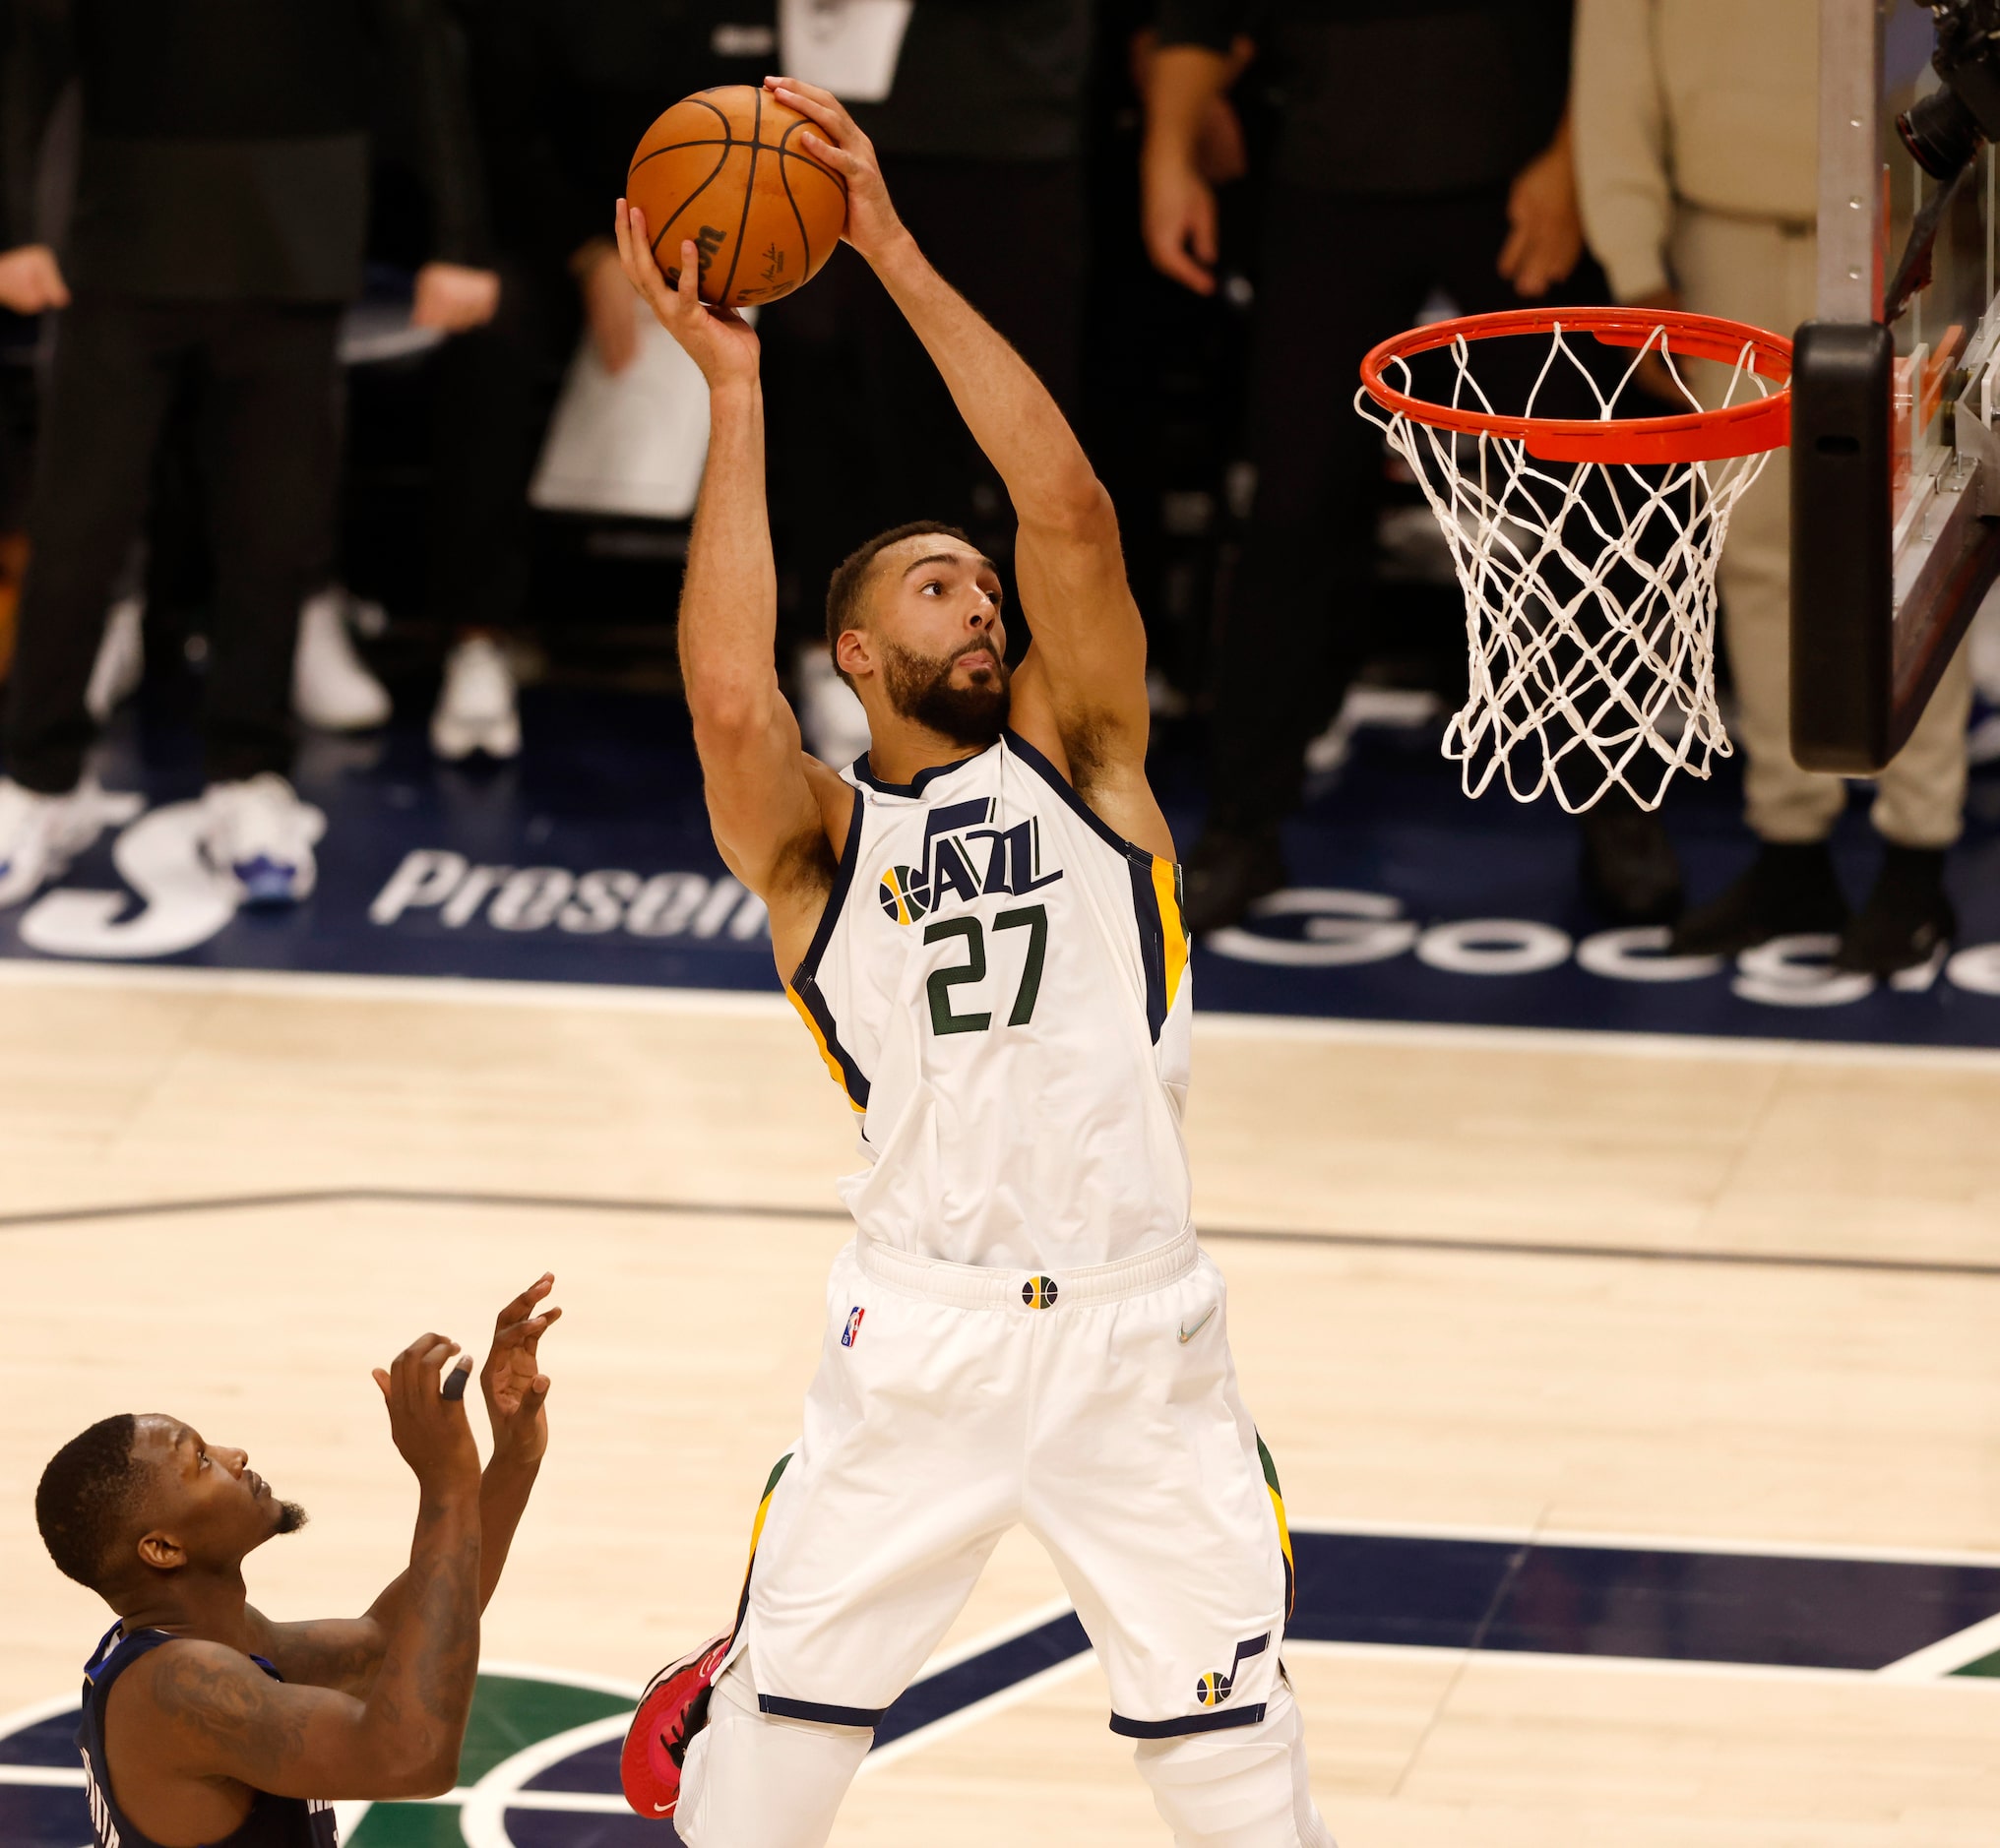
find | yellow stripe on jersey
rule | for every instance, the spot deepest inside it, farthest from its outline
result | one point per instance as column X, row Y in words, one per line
column 1276, row 1495
column 764, row 1507
column 1172, row 926
column 812, row 1026
column 757, row 1534
column 1284, row 1541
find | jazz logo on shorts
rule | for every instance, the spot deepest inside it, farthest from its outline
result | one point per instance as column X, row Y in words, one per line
column 853, row 1330
column 1215, row 1688
column 1039, row 1292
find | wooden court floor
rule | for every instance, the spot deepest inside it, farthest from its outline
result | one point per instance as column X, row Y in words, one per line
column 1500, row 1284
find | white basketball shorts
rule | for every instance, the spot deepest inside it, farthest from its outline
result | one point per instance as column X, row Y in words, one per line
column 1100, row 1408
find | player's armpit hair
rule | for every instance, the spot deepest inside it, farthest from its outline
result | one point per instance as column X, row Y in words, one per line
column 86, row 1495
column 847, row 605
column 805, row 864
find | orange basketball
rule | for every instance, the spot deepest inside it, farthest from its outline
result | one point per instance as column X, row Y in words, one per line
column 723, row 167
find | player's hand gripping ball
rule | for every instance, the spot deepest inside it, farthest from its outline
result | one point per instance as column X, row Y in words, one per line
column 725, row 169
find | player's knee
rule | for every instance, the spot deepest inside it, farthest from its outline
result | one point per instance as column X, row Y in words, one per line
column 1244, row 1787
column 753, row 1781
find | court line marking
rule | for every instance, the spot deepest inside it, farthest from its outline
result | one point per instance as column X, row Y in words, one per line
column 1012, row 1630
column 1648, row 1543
column 486, row 1801
column 1358, row 1240
column 614, row 1685
column 23, row 1718
column 723, row 1003
column 961, row 1718
column 483, row 1804
column 1629, row 1664
column 482, row 1818
column 1949, row 1654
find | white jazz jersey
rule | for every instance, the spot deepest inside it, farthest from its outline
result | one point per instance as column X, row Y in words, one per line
column 1000, row 986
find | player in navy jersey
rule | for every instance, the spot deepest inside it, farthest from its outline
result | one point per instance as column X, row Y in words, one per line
column 205, row 1722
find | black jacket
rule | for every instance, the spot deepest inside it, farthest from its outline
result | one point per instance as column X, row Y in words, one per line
column 987, row 79
column 226, row 142
column 564, row 88
column 1417, row 97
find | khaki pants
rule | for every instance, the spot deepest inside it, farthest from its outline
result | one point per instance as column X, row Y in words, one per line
column 1762, row 270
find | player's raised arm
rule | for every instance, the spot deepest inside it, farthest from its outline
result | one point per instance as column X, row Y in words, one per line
column 346, row 1652
column 205, row 1711
column 1087, row 664
column 772, row 807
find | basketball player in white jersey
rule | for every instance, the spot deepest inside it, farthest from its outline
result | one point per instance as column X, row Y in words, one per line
column 980, row 923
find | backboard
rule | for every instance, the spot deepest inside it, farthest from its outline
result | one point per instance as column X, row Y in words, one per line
column 1896, row 462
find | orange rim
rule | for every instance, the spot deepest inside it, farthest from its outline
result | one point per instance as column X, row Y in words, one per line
column 1747, row 429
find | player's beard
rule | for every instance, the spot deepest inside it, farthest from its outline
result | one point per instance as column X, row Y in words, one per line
column 921, row 689
column 291, row 1517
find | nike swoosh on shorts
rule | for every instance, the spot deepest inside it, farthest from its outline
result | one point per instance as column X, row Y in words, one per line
column 1188, row 1334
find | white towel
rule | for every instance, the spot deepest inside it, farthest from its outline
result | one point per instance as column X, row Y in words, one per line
column 631, row 444
column 848, row 46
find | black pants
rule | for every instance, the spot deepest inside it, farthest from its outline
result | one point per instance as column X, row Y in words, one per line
column 864, row 435
column 495, row 388
column 1338, row 275
column 262, row 378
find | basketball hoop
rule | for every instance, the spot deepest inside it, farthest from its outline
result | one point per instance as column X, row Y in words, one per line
column 1590, row 584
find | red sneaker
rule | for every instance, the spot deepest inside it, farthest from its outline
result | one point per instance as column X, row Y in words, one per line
column 673, row 1708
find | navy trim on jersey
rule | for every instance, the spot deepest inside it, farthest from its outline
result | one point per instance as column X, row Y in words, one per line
column 836, row 896
column 1152, row 945
column 915, row 786
column 1145, row 900
column 1191, row 1723
column 853, row 1081
column 1063, row 787
column 270, row 1822
column 783, row 1708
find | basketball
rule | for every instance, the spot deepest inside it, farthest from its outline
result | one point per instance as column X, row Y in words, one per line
column 724, row 169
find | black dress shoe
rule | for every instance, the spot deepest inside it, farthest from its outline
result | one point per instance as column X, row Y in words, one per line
column 1227, row 874
column 1908, row 919
column 1629, row 870
column 1790, row 889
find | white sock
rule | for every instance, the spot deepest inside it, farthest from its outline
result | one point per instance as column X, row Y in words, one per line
column 755, row 1781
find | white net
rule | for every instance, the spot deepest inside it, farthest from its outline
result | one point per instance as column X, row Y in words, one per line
column 1590, row 585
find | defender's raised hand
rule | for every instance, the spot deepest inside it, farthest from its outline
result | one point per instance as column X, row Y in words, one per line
column 872, row 223
column 431, row 1430
column 513, row 1380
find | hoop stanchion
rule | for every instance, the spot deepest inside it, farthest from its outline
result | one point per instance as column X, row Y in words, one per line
column 1586, row 546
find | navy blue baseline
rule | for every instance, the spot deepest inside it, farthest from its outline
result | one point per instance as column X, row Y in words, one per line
column 1652, row 1603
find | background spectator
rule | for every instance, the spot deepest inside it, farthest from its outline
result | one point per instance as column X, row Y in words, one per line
column 1696, row 132
column 1423, row 146
column 219, row 216
column 562, row 91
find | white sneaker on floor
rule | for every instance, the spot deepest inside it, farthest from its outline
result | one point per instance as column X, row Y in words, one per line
column 258, row 835
column 121, row 659
column 475, row 705
column 831, row 715
column 331, row 689
column 40, row 836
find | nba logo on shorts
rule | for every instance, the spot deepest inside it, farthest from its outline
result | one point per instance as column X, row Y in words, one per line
column 853, row 1326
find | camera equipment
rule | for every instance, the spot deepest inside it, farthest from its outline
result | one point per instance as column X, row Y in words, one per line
column 1943, row 130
